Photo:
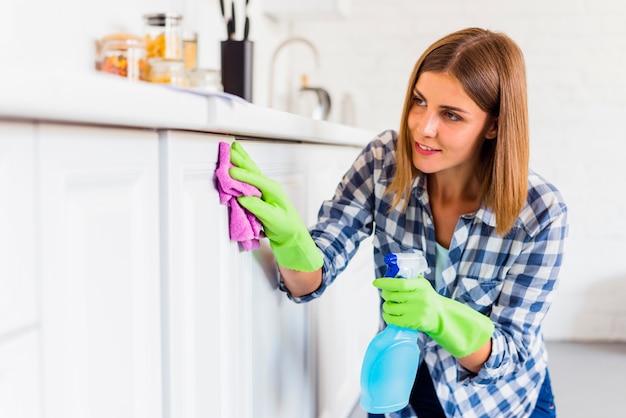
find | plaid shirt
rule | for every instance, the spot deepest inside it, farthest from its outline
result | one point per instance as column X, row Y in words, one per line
column 511, row 279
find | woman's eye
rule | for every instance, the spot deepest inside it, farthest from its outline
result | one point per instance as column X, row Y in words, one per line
column 418, row 101
column 452, row 116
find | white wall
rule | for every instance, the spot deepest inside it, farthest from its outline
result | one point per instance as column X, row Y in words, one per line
column 576, row 55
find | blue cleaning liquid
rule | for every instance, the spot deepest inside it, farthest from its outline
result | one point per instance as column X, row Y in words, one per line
column 392, row 357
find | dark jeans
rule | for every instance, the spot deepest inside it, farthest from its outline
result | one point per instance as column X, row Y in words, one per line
column 426, row 404
column 545, row 407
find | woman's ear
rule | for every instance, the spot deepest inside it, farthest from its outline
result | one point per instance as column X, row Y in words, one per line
column 492, row 130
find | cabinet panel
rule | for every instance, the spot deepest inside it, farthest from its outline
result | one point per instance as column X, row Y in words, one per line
column 18, row 296
column 202, row 356
column 19, row 377
column 237, row 347
column 281, row 335
column 346, row 317
column 100, row 272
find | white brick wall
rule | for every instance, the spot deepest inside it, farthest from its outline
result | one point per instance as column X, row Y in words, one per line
column 576, row 61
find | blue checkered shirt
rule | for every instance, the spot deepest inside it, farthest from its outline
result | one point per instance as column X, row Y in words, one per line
column 511, row 279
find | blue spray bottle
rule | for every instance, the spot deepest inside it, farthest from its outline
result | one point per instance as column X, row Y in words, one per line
column 392, row 357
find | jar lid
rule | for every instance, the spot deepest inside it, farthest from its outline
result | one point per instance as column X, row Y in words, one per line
column 205, row 75
column 162, row 19
column 205, row 79
column 190, row 36
column 165, row 64
column 123, row 40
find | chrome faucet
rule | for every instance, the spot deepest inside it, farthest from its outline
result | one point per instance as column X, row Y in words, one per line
column 322, row 109
column 323, row 96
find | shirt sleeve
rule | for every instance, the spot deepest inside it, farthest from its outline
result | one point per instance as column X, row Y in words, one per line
column 526, row 296
column 347, row 219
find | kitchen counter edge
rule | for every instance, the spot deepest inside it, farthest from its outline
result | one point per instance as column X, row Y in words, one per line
column 103, row 99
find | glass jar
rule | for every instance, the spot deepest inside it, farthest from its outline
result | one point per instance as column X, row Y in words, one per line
column 168, row 71
column 164, row 38
column 123, row 54
column 205, row 79
column 190, row 50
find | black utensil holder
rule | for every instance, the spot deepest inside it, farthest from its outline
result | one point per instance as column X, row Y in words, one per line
column 237, row 68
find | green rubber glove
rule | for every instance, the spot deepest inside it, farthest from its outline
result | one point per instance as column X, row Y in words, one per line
column 413, row 303
column 289, row 238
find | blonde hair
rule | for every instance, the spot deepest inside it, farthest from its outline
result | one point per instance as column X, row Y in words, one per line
column 491, row 69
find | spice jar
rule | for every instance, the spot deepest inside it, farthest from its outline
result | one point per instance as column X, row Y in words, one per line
column 190, row 49
column 123, row 54
column 168, row 71
column 205, row 79
column 163, row 33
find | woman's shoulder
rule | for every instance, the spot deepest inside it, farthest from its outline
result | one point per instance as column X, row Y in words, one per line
column 386, row 141
column 381, row 149
column 544, row 203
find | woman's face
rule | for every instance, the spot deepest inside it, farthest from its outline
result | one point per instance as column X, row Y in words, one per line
column 447, row 127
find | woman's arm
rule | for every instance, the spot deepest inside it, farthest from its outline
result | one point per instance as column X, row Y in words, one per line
column 344, row 221
column 475, row 361
column 300, row 283
column 526, row 294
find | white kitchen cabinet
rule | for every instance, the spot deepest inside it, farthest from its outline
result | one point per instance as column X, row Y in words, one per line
column 237, row 346
column 17, row 256
column 203, row 351
column 121, row 293
column 100, row 271
column 19, row 376
column 346, row 317
column 284, row 373
column 19, row 359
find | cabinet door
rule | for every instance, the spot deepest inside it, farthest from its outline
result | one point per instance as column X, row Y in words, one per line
column 204, row 353
column 346, row 317
column 100, row 272
column 19, row 376
column 17, row 251
column 19, row 359
column 237, row 346
column 284, row 384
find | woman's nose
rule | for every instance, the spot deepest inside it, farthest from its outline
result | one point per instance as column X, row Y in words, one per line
column 428, row 124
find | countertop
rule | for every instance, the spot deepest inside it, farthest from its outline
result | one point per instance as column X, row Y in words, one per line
column 104, row 99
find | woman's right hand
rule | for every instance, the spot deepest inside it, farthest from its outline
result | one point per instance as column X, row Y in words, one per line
column 289, row 238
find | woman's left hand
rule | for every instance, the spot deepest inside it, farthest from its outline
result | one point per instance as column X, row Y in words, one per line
column 409, row 303
column 413, row 303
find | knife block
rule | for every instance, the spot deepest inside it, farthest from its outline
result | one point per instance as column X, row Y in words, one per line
column 236, row 57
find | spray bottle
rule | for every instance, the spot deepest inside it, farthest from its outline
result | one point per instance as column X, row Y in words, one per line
column 392, row 357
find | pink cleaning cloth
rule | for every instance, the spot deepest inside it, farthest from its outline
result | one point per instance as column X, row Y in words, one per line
column 243, row 226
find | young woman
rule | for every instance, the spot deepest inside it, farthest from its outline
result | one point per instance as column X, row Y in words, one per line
column 454, row 183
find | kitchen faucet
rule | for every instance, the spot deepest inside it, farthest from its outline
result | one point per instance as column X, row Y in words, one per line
column 323, row 97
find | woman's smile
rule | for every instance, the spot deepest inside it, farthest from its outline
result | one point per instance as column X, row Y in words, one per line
column 443, row 116
column 425, row 150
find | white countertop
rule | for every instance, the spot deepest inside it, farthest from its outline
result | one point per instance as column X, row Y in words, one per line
column 104, row 99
